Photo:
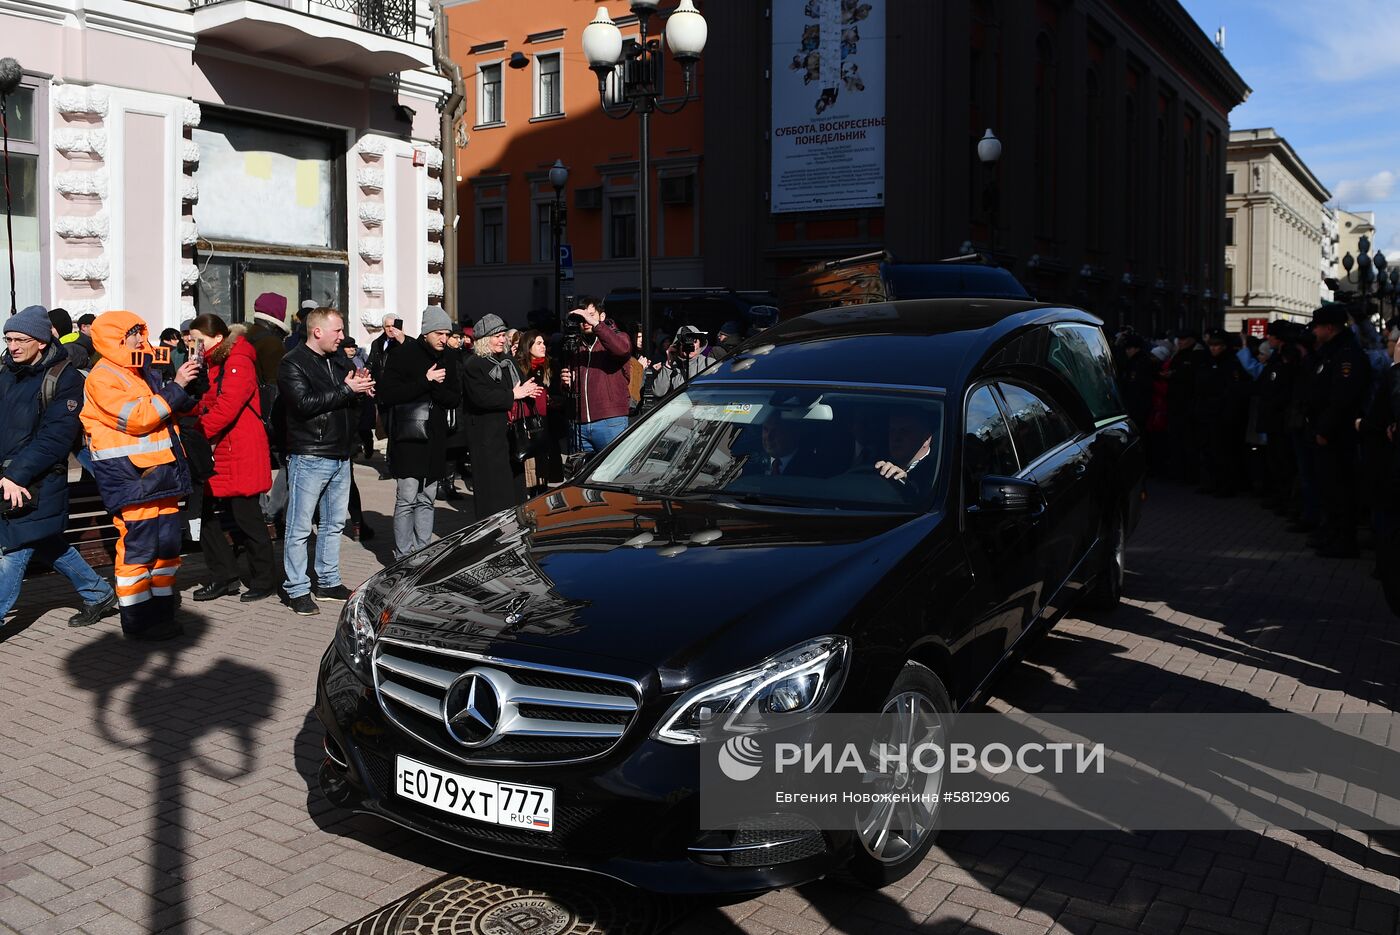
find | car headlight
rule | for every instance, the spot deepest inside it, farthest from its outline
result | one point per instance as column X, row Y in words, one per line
column 794, row 685
column 357, row 630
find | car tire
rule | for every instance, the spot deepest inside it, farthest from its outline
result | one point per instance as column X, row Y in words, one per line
column 876, row 863
column 1106, row 592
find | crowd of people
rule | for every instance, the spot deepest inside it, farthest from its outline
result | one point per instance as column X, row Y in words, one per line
column 215, row 433
column 1304, row 417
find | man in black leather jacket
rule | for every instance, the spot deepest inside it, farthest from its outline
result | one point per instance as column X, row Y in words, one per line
column 321, row 392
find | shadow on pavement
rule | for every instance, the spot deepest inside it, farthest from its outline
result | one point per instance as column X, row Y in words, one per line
column 146, row 700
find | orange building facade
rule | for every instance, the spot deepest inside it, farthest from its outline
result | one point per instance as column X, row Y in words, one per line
column 531, row 99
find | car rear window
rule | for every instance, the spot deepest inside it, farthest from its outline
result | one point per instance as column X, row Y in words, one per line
column 1081, row 355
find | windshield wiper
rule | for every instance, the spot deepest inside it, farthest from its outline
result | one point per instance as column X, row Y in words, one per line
column 633, row 491
column 756, row 499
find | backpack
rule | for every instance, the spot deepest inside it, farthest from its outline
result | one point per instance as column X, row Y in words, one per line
column 48, row 389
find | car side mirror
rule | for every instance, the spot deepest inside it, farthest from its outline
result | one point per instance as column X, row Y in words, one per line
column 1009, row 495
column 574, row 464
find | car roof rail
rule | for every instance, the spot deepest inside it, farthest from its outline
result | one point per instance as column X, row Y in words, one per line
column 884, row 256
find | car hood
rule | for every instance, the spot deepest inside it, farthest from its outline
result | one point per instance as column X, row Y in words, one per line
column 682, row 589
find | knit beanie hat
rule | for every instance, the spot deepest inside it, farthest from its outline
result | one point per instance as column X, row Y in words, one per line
column 32, row 321
column 61, row 321
column 435, row 319
column 271, row 307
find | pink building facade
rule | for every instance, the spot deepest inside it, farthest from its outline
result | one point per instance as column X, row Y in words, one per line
column 175, row 157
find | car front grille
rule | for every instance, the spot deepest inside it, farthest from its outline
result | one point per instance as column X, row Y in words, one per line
column 540, row 715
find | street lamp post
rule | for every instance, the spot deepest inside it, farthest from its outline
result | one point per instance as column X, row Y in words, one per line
column 639, row 82
column 558, row 177
column 989, row 151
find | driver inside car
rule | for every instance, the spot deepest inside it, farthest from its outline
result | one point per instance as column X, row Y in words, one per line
column 911, row 434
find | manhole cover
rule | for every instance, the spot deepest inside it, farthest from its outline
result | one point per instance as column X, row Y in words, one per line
column 548, row 905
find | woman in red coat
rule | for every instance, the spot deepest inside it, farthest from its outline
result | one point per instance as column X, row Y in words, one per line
column 230, row 415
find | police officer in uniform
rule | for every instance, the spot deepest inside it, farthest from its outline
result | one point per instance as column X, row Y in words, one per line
column 1336, row 394
column 1222, row 407
column 1275, row 388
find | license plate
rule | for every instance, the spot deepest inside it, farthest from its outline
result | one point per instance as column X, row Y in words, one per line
column 497, row 803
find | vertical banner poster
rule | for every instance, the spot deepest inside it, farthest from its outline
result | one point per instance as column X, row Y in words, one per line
column 828, row 123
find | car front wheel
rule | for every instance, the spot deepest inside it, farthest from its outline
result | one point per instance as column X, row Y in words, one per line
column 895, row 837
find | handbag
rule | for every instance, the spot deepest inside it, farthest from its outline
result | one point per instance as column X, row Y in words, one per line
column 527, row 434
column 409, row 421
column 199, row 454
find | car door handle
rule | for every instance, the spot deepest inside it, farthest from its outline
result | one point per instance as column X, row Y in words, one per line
column 1080, row 469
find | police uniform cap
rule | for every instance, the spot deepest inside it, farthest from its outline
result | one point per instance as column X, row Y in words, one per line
column 1330, row 315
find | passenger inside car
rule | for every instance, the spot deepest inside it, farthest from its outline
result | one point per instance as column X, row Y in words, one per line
column 912, row 446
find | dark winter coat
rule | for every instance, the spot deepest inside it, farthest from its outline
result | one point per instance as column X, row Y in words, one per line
column 268, row 348
column 457, row 436
column 1138, row 377
column 406, row 382
column 230, row 416
column 34, row 446
column 498, row 483
column 1338, row 389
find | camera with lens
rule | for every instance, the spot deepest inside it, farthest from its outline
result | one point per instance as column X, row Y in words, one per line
column 685, row 342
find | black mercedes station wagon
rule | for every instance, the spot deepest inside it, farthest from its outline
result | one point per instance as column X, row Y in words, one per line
column 859, row 505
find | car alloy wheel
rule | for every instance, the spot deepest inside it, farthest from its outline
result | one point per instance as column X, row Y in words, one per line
column 894, row 837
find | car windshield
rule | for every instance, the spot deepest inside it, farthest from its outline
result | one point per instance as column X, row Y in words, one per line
column 805, row 446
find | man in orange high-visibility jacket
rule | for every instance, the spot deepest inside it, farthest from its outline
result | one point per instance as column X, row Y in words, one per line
column 129, row 417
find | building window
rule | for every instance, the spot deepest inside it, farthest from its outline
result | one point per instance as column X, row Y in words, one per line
column 622, row 226
column 544, row 232
column 492, row 235
column 1229, row 183
column 1230, row 230
column 1047, row 99
column 490, row 109
column 1131, row 181
column 1093, row 163
column 25, row 197
column 1229, row 285
column 549, row 97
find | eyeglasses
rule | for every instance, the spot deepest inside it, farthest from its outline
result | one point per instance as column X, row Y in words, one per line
column 20, row 339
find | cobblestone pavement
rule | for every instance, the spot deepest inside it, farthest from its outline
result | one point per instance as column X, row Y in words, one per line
column 171, row 787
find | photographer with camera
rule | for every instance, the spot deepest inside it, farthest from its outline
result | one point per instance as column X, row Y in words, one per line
column 686, row 357
column 596, row 366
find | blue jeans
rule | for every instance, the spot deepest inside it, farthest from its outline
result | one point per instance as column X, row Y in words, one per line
column 64, row 559
column 598, row 435
column 313, row 482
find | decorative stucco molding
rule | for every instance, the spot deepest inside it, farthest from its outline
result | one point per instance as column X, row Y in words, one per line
column 189, row 232
column 372, row 283
column 191, row 114
column 92, row 270
column 76, row 228
column 189, row 151
column 77, row 182
column 372, row 248
column 77, row 99
column 371, row 147
column 371, row 214
column 81, row 141
column 434, row 157
column 84, row 307
column 434, row 221
column 189, row 274
column 189, row 190
column 435, row 286
column 434, row 189
column 371, row 180
column 435, row 254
